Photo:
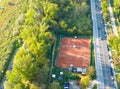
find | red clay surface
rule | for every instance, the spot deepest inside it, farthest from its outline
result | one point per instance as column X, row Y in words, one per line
column 74, row 51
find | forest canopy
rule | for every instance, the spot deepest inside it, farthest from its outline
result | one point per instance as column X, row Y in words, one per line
column 35, row 28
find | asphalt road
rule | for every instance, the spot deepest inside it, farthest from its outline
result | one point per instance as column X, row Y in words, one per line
column 103, row 66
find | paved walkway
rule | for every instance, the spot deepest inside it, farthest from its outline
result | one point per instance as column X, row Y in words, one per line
column 51, row 67
column 117, row 73
column 112, row 19
column 92, row 84
column 9, row 69
column 73, row 85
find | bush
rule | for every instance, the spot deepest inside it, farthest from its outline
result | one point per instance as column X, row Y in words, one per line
column 95, row 86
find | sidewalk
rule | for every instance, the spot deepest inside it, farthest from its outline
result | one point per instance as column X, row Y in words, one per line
column 115, row 81
column 112, row 19
column 92, row 84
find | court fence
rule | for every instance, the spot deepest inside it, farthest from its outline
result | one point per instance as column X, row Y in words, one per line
column 59, row 43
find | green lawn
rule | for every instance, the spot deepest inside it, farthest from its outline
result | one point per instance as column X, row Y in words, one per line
column 6, row 10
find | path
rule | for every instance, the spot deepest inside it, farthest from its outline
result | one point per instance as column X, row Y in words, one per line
column 112, row 19
column 74, row 85
column 51, row 67
column 9, row 69
column 92, row 84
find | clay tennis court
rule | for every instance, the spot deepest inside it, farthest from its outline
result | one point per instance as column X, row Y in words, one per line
column 75, row 51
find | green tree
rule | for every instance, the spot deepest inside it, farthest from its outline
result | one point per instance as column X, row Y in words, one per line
column 85, row 81
column 105, row 10
column 95, row 86
column 25, row 64
column 55, row 85
column 50, row 10
column 118, row 78
column 116, row 4
column 91, row 72
column 30, row 15
column 34, row 86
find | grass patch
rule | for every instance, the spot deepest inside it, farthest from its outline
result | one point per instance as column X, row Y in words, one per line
column 92, row 53
column 7, row 11
column 57, row 49
column 66, row 77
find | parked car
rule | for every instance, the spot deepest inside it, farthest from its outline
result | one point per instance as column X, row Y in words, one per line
column 108, row 47
column 111, row 70
column 66, row 85
column 110, row 57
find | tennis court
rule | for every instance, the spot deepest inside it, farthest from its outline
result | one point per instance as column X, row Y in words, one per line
column 75, row 51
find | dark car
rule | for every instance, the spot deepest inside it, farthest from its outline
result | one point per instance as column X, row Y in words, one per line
column 98, row 28
column 66, row 85
column 108, row 47
column 102, row 38
column 105, row 34
column 110, row 57
column 60, row 77
column 111, row 70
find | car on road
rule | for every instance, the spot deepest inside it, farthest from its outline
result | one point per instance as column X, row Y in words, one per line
column 100, row 38
column 111, row 70
column 111, row 61
column 101, row 12
column 96, row 5
column 110, row 57
column 98, row 28
column 108, row 47
column 105, row 34
column 112, row 78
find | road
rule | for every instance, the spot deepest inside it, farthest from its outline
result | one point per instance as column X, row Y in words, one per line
column 102, row 62
column 112, row 19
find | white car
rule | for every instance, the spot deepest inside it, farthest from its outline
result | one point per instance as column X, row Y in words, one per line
column 111, row 61
column 101, row 12
column 100, row 38
column 112, row 78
